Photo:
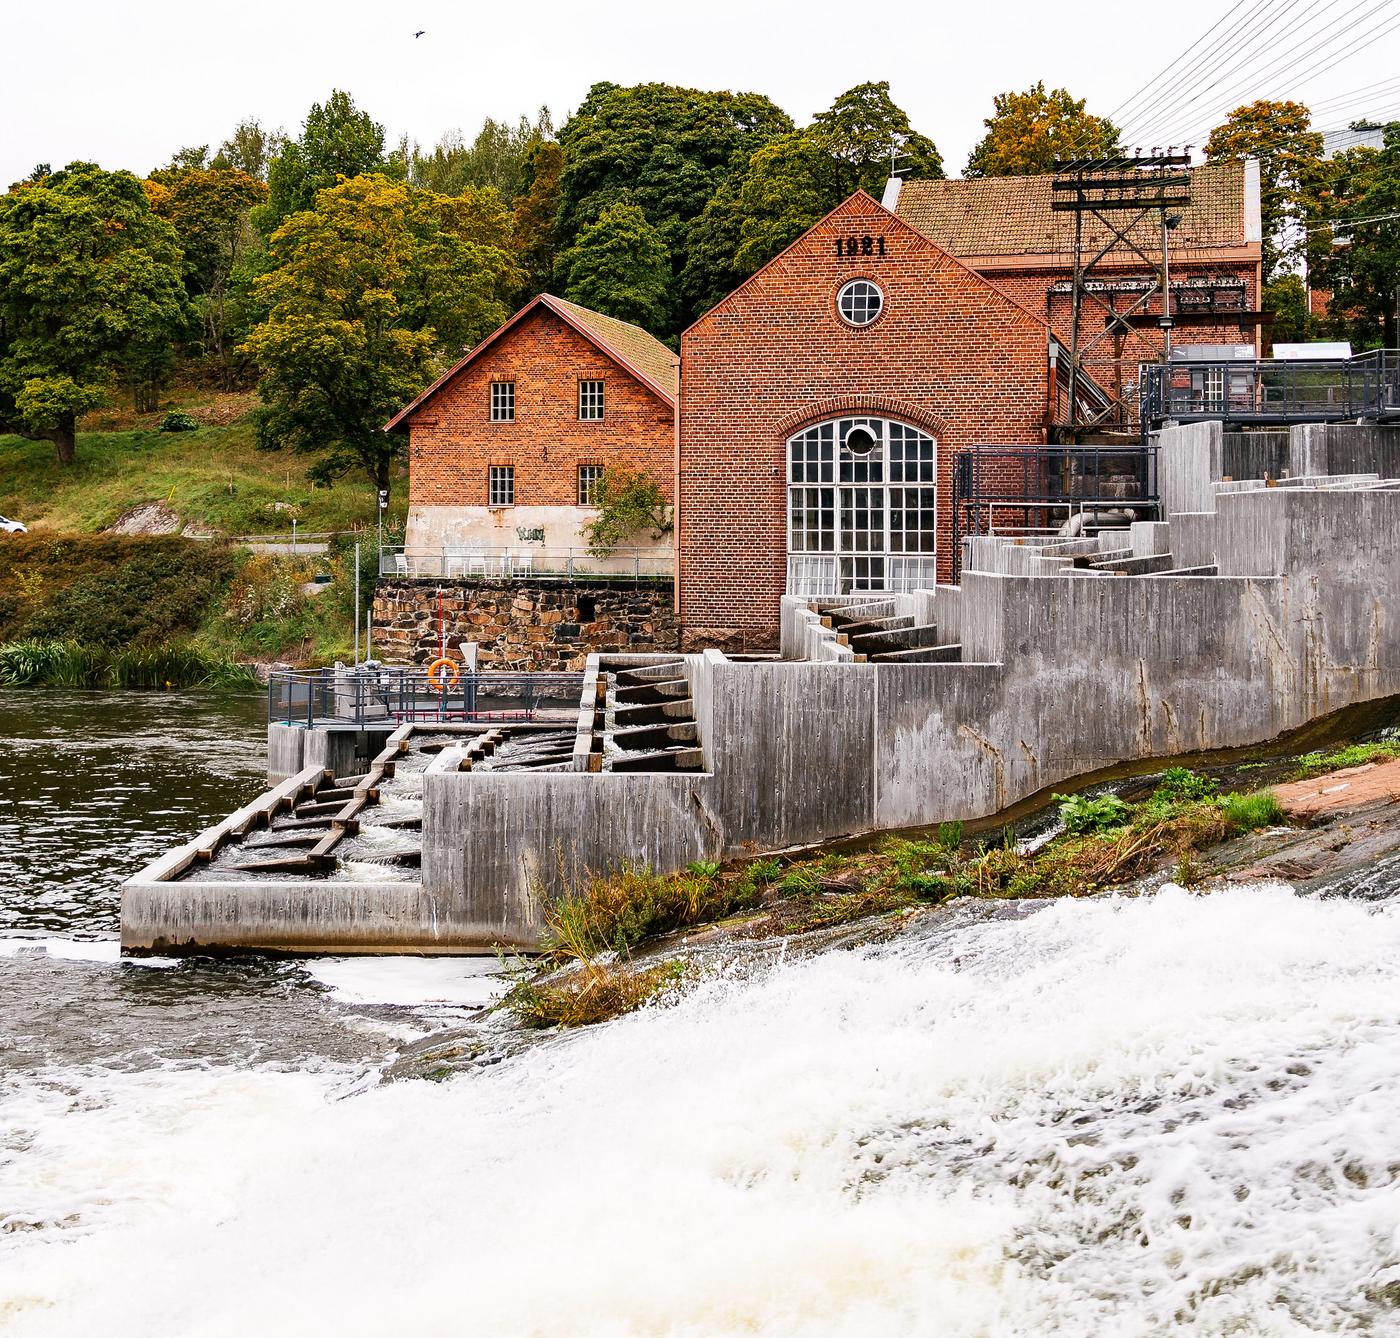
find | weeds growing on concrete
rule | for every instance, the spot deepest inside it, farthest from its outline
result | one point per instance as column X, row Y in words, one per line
column 1358, row 754
column 592, row 992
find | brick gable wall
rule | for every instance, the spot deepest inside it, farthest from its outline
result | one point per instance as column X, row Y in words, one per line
column 452, row 441
column 949, row 354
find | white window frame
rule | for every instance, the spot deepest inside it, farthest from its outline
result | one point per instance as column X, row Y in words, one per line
column 861, row 521
column 503, row 401
column 591, row 401
column 589, row 477
column 853, row 303
column 500, row 485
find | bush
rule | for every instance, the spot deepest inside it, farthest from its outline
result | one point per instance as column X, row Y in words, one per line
column 1182, row 785
column 628, row 502
column 265, row 590
column 1083, row 815
column 177, row 420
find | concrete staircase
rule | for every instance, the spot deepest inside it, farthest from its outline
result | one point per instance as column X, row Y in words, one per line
column 877, row 633
column 651, row 724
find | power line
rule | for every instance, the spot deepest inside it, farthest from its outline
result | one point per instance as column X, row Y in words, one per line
column 1283, row 66
column 1345, row 223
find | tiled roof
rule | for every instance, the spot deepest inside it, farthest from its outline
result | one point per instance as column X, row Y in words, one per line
column 629, row 344
column 1009, row 216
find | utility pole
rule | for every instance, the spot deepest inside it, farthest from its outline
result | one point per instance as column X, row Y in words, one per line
column 357, row 603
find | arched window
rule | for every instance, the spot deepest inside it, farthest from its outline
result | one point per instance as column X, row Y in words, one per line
column 862, row 507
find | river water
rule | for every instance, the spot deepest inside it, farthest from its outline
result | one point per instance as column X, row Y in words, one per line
column 1159, row 1115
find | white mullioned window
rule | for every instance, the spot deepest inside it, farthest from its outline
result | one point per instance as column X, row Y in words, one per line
column 862, row 507
column 590, row 401
column 503, row 401
column 501, row 485
column 859, row 302
column 589, row 477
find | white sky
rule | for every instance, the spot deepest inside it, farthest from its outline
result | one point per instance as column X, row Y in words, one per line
column 126, row 84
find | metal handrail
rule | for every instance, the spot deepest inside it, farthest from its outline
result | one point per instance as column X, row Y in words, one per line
column 521, row 562
column 396, row 694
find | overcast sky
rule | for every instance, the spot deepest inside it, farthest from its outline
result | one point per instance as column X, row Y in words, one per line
column 126, row 84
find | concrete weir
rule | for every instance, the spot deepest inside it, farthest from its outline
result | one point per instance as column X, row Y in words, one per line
column 1255, row 607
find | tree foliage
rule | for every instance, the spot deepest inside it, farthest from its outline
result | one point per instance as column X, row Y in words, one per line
column 497, row 157
column 620, row 266
column 1028, row 131
column 250, row 149
column 90, row 296
column 536, row 209
column 210, row 210
column 337, row 140
column 1360, row 261
column 793, row 181
column 370, row 294
column 665, row 150
column 1289, row 151
column 628, row 502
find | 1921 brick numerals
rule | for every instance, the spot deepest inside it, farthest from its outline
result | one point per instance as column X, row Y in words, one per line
column 860, row 246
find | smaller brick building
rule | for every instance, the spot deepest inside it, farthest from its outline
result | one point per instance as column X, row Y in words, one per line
column 506, row 448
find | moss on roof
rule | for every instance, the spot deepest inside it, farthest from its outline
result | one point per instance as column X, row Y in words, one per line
column 630, row 344
column 1010, row 216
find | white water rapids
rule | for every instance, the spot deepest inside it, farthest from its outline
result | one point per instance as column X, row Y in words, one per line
column 1176, row 1114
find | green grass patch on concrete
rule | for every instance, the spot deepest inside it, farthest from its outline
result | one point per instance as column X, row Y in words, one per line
column 1355, row 755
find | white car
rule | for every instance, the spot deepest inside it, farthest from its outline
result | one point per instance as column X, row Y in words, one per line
column 11, row 527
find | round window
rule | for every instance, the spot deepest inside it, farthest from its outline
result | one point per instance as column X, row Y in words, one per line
column 860, row 440
column 859, row 302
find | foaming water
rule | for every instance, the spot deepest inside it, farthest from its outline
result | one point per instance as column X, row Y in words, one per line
column 1163, row 1115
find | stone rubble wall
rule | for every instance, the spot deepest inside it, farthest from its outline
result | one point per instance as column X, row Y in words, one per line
column 522, row 624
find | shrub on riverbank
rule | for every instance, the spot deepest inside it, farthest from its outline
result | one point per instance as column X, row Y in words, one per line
column 1102, row 844
column 68, row 664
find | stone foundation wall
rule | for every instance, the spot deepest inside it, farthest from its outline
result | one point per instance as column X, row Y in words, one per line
column 522, row 624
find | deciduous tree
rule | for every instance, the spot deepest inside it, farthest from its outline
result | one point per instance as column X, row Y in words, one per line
column 90, row 297
column 1289, row 151
column 1028, row 131
column 371, row 294
column 866, row 134
column 536, row 209
column 497, row 157
column 209, row 209
column 337, row 140
column 250, row 148
column 620, row 266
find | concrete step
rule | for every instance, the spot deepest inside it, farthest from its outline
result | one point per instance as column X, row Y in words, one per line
column 838, row 615
column 316, row 809
column 656, row 736
column 872, row 644
column 921, row 655
column 1211, row 570
column 1137, row 566
column 849, row 630
column 654, row 713
column 649, row 673
column 648, row 693
column 670, row 759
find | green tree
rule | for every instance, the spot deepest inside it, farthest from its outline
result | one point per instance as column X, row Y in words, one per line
column 662, row 148
column 497, row 157
column 866, row 133
column 250, row 149
column 627, row 501
column 1289, row 151
column 1028, row 131
column 1354, row 249
column 371, row 294
column 790, row 183
column 210, row 209
column 337, row 140
column 1287, row 298
column 620, row 266
column 536, row 209
column 90, row 297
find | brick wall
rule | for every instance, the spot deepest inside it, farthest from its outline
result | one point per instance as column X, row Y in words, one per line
column 949, row 354
column 452, row 442
column 522, row 624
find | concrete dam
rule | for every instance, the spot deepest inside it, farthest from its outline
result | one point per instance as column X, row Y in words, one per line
column 1256, row 606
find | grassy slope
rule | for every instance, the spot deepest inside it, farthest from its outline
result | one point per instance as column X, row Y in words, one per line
column 214, row 479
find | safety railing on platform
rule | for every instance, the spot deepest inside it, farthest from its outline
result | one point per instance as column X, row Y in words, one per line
column 469, row 562
column 1266, row 391
column 391, row 695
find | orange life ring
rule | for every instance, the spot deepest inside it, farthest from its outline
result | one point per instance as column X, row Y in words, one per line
column 443, row 675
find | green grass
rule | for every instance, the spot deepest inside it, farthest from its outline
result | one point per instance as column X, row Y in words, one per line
column 215, row 479
column 1358, row 754
column 67, row 664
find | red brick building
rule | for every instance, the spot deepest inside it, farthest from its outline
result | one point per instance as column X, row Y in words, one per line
column 505, row 448
column 821, row 403
column 1005, row 229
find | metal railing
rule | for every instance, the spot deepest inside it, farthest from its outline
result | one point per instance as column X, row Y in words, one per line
column 393, row 695
column 470, row 562
column 1274, row 390
column 1034, row 489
